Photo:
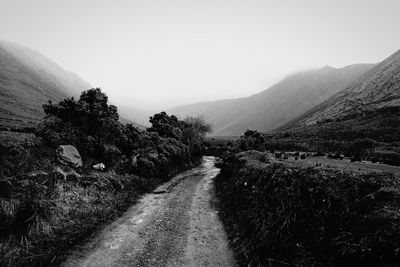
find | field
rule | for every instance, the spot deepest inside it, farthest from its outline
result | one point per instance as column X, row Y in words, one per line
column 347, row 165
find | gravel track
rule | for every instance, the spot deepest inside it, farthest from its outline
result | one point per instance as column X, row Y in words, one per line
column 177, row 228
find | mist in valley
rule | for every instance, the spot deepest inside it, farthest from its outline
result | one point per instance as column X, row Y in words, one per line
column 199, row 133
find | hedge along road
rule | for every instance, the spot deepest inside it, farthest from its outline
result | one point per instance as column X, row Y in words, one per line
column 177, row 225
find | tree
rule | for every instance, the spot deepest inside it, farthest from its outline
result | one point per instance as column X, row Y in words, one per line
column 92, row 125
column 251, row 140
column 89, row 123
column 97, row 117
column 166, row 126
column 198, row 124
column 194, row 131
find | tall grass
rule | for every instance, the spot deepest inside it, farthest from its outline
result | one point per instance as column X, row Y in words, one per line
column 49, row 215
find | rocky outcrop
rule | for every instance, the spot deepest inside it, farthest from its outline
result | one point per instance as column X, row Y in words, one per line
column 69, row 155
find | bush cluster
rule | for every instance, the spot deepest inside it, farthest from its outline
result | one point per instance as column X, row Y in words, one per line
column 93, row 126
column 282, row 215
column 45, row 207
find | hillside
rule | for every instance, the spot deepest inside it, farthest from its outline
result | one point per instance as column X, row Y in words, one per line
column 377, row 89
column 29, row 79
column 277, row 105
column 140, row 117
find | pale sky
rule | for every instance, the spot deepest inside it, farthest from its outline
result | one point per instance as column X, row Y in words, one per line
column 161, row 53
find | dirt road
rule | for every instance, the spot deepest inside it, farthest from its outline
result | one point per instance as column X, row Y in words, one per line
column 175, row 226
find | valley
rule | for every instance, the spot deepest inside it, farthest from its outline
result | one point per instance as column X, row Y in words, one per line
column 276, row 106
column 305, row 173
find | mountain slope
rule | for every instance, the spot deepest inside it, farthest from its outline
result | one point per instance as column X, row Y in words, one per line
column 139, row 116
column 376, row 89
column 277, row 105
column 29, row 79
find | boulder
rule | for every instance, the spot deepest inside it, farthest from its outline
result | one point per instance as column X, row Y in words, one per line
column 69, row 155
column 99, row 167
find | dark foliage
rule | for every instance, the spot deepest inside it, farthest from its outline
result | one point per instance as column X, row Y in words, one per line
column 166, row 126
column 278, row 214
column 90, row 124
column 250, row 140
column 46, row 208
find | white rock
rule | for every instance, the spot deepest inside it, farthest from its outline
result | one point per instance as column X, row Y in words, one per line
column 99, row 166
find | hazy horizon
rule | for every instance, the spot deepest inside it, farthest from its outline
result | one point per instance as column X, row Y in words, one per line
column 160, row 54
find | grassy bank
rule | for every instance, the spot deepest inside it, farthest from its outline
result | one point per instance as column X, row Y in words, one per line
column 43, row 213
column 49, row 215
column 281, row 215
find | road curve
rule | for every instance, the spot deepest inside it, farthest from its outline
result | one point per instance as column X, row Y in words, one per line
column 179, row 227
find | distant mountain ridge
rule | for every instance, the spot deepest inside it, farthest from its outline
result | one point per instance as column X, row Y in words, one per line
column 377, row 88
column 278, row 105
column 29, row 79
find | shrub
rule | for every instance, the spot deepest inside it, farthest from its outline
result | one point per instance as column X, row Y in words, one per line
column 111, row 155
column 250, row 140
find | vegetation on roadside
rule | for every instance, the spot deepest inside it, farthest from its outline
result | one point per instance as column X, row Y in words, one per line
column 278, row 214
column 47, row 207
column 371, row 135
column 380, row 125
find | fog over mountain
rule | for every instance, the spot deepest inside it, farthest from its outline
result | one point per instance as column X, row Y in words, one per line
column 377, row 88
column 199, row 133
column 277, row 105
column 161, row 54
column 137, row 115
column 28, row 80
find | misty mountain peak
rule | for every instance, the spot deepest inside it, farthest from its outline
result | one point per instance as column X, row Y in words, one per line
column 279, row 104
